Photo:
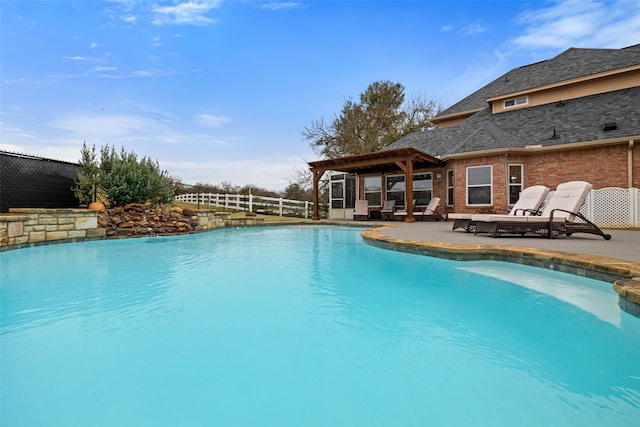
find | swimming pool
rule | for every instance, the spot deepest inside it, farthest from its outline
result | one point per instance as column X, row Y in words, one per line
column 305, row 326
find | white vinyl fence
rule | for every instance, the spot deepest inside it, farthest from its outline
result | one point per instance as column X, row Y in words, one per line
column 612, row 207
column 606, row 207
column 251, row 203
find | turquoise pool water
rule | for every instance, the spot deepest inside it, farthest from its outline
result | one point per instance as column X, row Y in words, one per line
column 305, row 326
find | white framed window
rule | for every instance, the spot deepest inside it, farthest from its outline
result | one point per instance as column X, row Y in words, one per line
column 395, row 188
column 522, row 100
column 422, row 187
column 479, row 185
column 373, row 190
column 450, row 187
column 515, row 183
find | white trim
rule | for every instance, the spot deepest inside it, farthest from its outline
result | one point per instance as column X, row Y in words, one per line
column 516, row 102
column 509, row 185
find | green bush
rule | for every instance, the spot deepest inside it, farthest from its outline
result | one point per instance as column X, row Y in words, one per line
column 122, row 178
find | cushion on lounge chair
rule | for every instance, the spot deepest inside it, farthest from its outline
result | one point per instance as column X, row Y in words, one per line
column 560, row 216
column 529, row 201
column 361, row 211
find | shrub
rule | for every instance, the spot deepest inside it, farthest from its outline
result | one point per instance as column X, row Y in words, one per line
column 122, row 178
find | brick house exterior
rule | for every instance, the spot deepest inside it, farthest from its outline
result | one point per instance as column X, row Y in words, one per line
column 573, row 117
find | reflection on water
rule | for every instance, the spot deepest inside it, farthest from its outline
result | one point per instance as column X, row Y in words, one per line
column 593, row 298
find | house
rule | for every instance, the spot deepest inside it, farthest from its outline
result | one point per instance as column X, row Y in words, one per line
column 573, row 117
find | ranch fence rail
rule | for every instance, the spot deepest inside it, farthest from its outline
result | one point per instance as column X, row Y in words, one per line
column 607, row 207
column 251, row 203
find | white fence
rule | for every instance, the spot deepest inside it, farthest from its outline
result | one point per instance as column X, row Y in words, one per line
column 612, row 207
column 606, row 207
column 251, row 203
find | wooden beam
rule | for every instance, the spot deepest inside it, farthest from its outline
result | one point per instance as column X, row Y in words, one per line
column 317, row 174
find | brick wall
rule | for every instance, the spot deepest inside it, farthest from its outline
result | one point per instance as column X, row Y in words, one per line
column 602, row 166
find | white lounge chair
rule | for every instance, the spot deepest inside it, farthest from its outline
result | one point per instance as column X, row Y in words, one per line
column 388, row 209
column 361, row 211
column 528, row 204
column 428, row 211
column 560, row 216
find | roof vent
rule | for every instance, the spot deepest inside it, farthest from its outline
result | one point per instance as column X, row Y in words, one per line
column 609, row 126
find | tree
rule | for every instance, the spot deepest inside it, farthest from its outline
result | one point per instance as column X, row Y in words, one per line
column 380, row 118
column 86, row 185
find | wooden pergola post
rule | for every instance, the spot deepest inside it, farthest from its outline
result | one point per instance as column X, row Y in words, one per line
column 407, row 168
column 317, row 175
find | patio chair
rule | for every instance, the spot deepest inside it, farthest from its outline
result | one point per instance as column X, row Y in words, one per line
column 361, row 211
column 430, row 210
column 560, row 216
column 402, row 213
column 528, row 204
column 388, row 209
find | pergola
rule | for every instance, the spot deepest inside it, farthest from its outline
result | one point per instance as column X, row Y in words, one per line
column 400, row 159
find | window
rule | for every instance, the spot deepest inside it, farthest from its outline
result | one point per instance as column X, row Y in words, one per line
column 479, row 190
column 450, row 187
column 515, row 183
column 516, row 101
column 395, row 188
column 422, row 188
column 373, row 190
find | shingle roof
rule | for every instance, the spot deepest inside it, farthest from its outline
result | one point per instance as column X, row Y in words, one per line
column 577, row 120
column 570, row 64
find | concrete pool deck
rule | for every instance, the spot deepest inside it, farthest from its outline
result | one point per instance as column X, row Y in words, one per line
column 616, row 260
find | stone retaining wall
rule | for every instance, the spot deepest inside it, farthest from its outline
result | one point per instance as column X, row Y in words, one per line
column 28, row 227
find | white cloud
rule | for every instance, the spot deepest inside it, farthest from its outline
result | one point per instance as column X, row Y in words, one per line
column 102, row 69
column 94, row 45
column 79, row 58
column 192, row 12
column 268, row 172
column 446, row 28
column 210, row 120
column 581, row 23
column 281, row 5
column 472, row 29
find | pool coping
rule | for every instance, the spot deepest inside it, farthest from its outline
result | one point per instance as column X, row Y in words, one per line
column 624, row 275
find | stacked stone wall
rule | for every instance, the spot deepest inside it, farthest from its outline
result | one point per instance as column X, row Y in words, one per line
column 30, row 227
column 25, row 227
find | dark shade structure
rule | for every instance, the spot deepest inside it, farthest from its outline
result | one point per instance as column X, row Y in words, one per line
column 36, row 182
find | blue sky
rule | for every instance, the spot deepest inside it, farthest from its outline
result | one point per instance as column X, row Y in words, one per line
column 221, row 90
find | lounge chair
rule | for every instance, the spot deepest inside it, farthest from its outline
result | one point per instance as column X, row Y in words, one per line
column 560, row 216
column 429, row 211
column 388, row 209
column 401, row 214
column 528, row 204
column 361, row 211
column 422, row 213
